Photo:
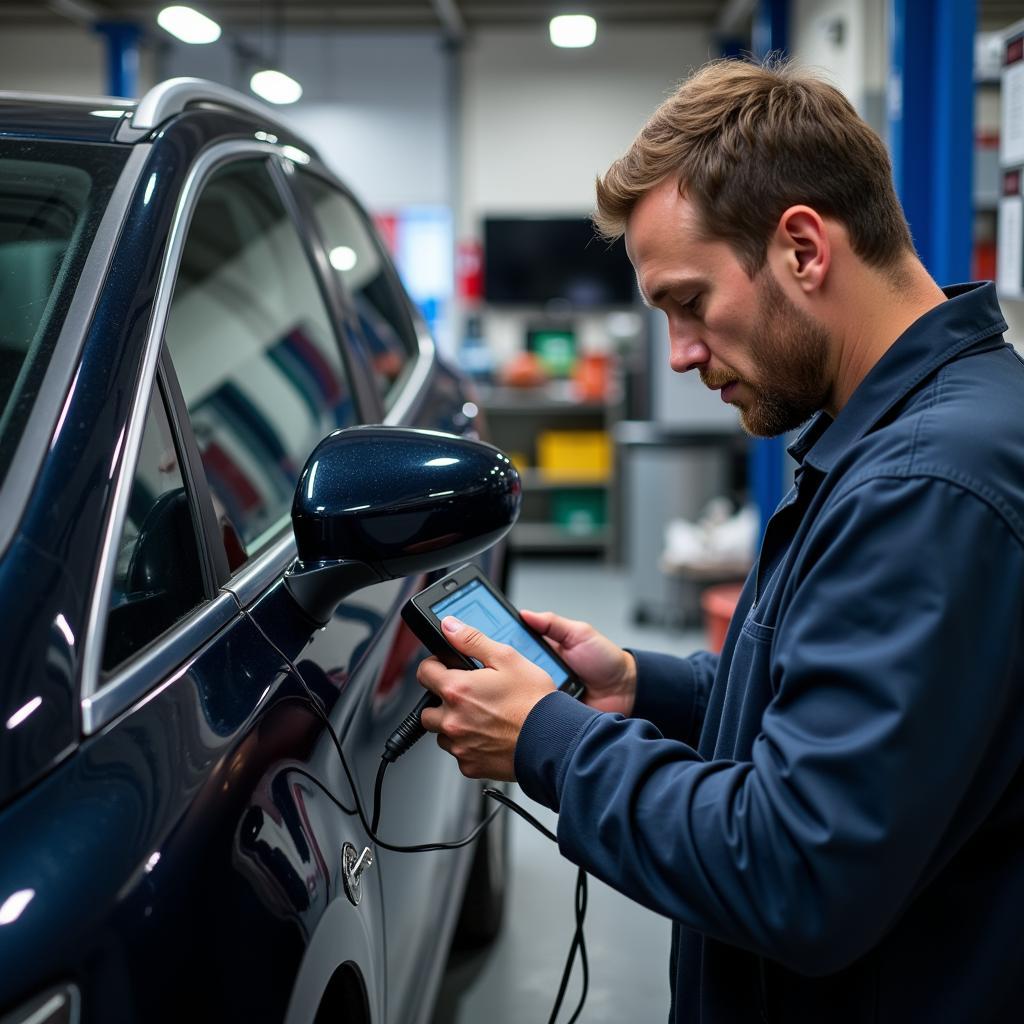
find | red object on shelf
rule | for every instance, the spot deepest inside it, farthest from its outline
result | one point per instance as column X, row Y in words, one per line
column 591, row 376
column 469, row 270
column 718, row 604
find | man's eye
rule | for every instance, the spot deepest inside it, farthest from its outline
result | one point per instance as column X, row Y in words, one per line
column 693, row 305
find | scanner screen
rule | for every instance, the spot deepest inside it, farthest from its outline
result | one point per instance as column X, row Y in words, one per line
column 475, row 605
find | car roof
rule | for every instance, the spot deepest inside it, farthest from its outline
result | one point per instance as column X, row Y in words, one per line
column 111, row 119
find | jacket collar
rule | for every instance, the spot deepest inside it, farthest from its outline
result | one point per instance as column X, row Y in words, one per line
column 969, row 317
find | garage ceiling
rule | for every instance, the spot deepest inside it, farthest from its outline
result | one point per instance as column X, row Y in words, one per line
column 452, row 16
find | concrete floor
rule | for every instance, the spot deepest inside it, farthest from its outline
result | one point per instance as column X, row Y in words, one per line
column 516, row 980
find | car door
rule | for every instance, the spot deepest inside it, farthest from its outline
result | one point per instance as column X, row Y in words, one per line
column 425, row 797
column 253, row 338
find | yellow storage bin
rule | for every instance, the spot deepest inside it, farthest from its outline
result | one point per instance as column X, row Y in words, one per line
column 574, row 454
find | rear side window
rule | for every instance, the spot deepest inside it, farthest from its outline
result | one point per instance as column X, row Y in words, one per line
column 365, row 270
column 254, row 349
column 158, row 578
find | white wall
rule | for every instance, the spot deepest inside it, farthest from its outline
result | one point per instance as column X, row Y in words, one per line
column 374, row 105
column 539, row 123
column 66, row 61
column 847, row 39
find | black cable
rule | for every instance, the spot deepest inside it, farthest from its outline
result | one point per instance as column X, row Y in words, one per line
column 360, row 810
column 377, row 786
column 578, row 942
column 496, row 794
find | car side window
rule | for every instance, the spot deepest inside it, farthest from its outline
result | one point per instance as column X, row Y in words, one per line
column 158, row 577
column 255, row 353
column 368, row 278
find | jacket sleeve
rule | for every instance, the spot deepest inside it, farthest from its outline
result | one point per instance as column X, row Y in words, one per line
column 672, row 693
column 896, row 672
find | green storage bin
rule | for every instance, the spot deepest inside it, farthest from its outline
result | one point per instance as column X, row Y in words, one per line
column 579, row 511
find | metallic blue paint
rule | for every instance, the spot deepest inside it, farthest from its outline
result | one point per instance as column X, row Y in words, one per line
column 66, row 119
column 391, row 497
column 181, row 868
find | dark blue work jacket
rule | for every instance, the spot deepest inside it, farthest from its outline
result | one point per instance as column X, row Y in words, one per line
column 832, row 811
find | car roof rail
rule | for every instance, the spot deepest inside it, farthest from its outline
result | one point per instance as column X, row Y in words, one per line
column 174, row 95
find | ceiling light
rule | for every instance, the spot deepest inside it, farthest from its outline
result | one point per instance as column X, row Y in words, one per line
column 275, row 87
column 573, row 30
column 188, row 25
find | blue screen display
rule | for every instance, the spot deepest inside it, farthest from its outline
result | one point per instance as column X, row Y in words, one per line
column 475, row 605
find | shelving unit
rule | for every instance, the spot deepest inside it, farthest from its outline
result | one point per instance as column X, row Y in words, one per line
column 516, row 418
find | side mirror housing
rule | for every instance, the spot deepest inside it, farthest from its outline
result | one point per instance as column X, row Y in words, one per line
column 376, row 503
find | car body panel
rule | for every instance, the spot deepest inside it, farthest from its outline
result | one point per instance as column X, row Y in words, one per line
column 181, row 843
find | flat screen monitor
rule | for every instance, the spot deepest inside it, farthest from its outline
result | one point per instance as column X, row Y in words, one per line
column 536, row 260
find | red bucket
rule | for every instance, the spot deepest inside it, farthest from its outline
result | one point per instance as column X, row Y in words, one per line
column 718, row 604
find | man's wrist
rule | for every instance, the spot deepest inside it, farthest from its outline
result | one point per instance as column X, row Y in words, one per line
column 629, row 680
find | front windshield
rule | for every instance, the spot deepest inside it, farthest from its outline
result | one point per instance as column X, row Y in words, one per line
column 52, row 197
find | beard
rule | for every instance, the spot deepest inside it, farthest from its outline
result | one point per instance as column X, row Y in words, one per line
column 791, row 350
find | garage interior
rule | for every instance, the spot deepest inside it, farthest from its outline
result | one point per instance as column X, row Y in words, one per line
column 474, row 142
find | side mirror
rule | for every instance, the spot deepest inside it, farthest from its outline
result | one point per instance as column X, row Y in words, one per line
column 376, row 503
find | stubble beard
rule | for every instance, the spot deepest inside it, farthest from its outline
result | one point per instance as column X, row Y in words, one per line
column 791, row 350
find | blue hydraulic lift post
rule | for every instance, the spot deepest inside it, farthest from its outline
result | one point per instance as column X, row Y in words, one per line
column 122, row 40
column 766, row 457
column 931, row 128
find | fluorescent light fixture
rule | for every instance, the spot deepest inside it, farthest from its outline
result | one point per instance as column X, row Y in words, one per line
column 188, row 25
column 343, row 257
column 275, row 87
column 107, row 113
column 573, row 30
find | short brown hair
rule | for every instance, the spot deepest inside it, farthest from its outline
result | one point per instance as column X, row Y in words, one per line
column 746, row 142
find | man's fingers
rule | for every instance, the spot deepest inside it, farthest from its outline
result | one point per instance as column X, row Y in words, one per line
column 430, row 719
column 563, row 631
column 467, row 640
column 429, row 673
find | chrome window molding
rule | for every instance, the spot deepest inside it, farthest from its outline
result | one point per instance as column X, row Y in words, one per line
column 172, row 650
column 123, row 688
column 63, row 367
column 261, row 572
column 417, row 380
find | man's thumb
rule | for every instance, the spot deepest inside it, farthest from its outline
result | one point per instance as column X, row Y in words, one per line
column 468, row 640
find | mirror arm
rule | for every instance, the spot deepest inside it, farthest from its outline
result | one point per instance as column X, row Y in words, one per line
column 319, row 589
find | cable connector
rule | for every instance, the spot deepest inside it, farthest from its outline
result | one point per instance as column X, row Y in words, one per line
column 410, row 729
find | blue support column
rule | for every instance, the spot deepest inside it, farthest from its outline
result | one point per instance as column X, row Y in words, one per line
column 931, row 128
column 767, row 457
column 122, row 40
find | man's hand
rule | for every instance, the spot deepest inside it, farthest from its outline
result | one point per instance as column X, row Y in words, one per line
column 605, row 669
column 482, row 711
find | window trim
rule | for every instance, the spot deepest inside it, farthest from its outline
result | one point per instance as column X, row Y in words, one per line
column 101, row 699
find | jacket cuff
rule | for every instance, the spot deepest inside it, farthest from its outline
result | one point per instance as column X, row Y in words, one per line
column 665, row 690
column 545, row 745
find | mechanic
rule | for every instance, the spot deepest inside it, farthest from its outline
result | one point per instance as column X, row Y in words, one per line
column 832, row 810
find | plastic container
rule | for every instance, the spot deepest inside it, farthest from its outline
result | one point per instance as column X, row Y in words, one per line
column 718, row 604
column 575, row 454
column 579, row 512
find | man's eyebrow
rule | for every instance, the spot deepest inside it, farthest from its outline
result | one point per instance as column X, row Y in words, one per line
column 683, row 283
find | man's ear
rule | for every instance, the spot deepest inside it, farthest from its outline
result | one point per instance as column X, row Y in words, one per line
column 802, row 242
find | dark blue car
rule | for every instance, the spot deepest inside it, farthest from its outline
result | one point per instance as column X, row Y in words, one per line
column 189, row 304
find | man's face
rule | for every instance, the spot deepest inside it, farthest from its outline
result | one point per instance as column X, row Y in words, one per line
column 744, row 336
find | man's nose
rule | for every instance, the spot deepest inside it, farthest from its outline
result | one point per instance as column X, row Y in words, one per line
column 687, row 353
